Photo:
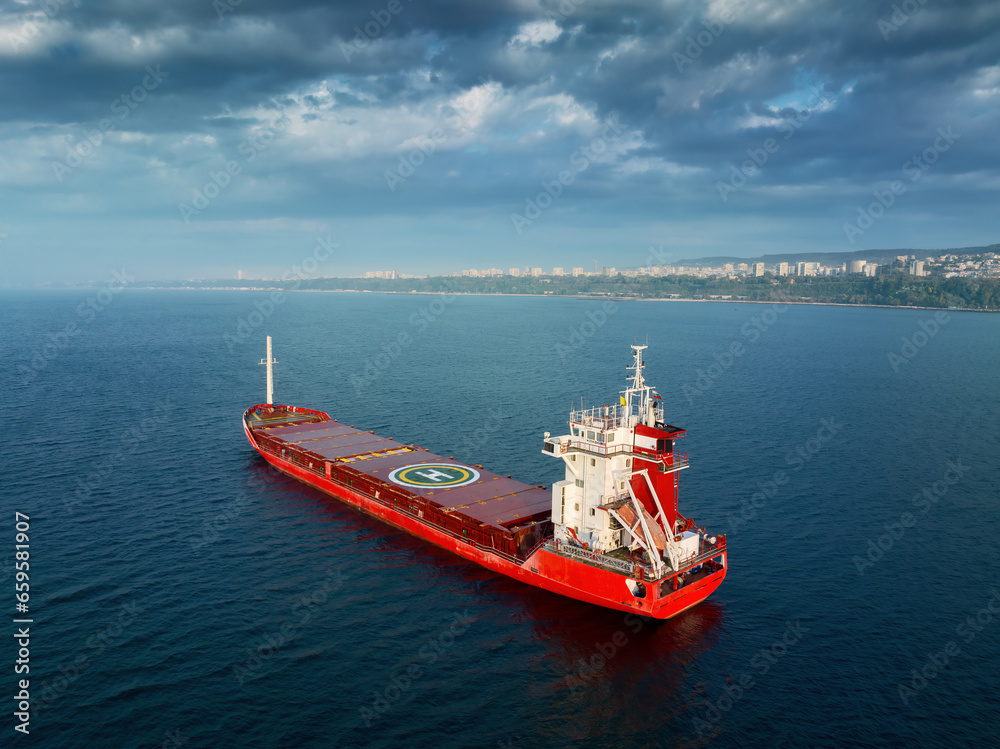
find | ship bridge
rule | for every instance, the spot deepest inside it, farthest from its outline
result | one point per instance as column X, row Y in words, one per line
column 620, row 488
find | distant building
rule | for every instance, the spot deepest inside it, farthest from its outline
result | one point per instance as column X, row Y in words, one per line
column 558, row 272
column 870, row 269
column 782, row 269
column 917, row 268
column 743, row 267
column 577, row 271
column 758, row 269
column 856, row 266
column 239, row 275
column 536, row 272
column 807, row 269
column 609, row 271
column 515, row 272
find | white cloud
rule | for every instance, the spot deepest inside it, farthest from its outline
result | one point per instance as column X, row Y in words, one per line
column 536, row 33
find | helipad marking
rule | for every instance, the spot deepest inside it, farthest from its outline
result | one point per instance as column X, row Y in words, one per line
column 434, row 474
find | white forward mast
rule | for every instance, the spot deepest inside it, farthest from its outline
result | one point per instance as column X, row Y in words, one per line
column 639, row 393
column 270, row 373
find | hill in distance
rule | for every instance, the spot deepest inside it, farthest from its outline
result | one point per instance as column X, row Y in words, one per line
column 835, row 258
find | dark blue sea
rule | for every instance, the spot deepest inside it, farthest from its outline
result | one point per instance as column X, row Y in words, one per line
column 184, row 594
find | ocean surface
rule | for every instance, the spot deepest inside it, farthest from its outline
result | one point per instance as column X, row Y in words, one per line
column 184, row 594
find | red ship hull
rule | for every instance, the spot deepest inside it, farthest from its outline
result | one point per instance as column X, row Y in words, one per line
column 573, row 573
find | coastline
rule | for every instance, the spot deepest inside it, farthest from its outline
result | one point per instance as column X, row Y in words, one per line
column 559, row 296
column 584, row 297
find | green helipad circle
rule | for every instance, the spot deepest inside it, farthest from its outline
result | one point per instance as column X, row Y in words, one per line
column 427, row 475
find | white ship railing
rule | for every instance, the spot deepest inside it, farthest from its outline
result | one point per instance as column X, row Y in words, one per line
column 631, row 568
column 603, row 560
column 672, row 461
column 601, row 417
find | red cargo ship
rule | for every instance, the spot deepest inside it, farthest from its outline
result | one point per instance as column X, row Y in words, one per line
column 609, row 533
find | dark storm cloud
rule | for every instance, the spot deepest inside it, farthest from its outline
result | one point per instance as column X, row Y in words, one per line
column 848, row 92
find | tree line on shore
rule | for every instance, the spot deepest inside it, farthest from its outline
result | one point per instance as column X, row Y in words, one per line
column 894, row 290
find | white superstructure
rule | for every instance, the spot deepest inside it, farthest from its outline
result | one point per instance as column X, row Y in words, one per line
column 620, row 485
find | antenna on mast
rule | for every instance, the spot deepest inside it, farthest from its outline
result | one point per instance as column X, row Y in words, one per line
column 270, row 372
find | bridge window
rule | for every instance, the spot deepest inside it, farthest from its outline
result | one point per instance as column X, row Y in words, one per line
column 579, row 482
column 611, row 437
column 593, row 462
column 590, row 436
column 600, row 438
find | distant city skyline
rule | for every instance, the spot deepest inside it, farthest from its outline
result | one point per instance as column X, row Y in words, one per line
column 985, row 265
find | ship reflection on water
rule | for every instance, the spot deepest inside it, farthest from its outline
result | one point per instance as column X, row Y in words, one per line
column 604, row 673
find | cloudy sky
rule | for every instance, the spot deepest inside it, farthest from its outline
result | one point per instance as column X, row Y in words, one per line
column 190, row 138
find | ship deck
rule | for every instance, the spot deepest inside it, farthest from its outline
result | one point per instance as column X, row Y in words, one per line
column 481, row 497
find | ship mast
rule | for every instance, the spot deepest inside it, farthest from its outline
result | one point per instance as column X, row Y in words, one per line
column 270, row 372
column 640, row 390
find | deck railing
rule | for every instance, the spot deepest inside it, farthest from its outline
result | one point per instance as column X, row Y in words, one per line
column 632, row 568
column 672, row 461
column 601, row 417
column 602, row 560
